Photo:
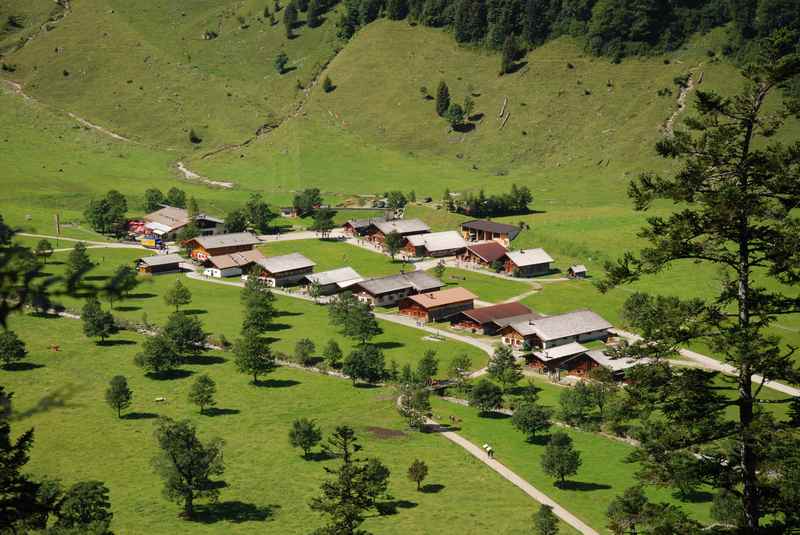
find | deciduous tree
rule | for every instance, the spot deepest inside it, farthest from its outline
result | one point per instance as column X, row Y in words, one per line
column 202, row 392
column 417, row 472
column 304, row 351
column 158, row 355
column 304, row 434
column 186, row 464
column 545, row 522
column 485, row 396
column 97, row 322
column 78, row 264
column 259, row 213
column 394, row 243
column 503, row 367
column 427, row 367
column 85, row 508
column 332, row 353
column 414, row 405
column 236, row 221
column 531, row 418
column 153, row 199
column 185, row 333
column 176, row 197
column 560, row 459
column 253, row 356
column 365, row 363
column 44, row 250
column 459, row 369
column 118, row 394
column 178, row 295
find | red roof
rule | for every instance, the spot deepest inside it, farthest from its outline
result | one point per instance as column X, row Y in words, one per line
column 489, row 251
column 496, row 312
column 442, row 298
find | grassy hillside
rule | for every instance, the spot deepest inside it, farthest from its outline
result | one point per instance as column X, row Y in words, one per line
column 144, row 69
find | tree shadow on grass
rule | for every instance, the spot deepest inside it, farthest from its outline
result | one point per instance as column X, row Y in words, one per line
column 96, row 277
column 696, row 496
column 112, row 343
column 432, row 488
column 143, row 295
column 492, row 415
column 204, row 360
column 214, row 411
column 127, row 309
column 139, row 416
column 318, row 456
column 278, row 327
column 582, row 486
column 390, row 507
column 21, row 366
column 55, row 400
column 277, row 383
column 234, row 511
column 287, row 313
column 170, row 375
column 194, row 311
column 366, row 386
column 516, row 66
column 390, row 345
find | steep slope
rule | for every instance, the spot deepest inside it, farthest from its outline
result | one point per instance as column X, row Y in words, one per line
column 145, row 69
column 568, row 115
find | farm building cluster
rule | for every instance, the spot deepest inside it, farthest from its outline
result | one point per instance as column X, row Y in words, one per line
column 550, row 344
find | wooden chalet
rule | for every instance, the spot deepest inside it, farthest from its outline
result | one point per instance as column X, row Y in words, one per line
column 204, row 247
column 447, row 243
column 437, row 306
column 388, row 291
column 378, row 230
column 335, row 280
column 489, row 320
column 285, row 269
column 528, row 262
column 483, row 254
column 361, row 227
column 479, row 230
column 553, row 331
column 160, row 263
column 232, row 265
column 568, row 357
column 578, row 271
column 165, row 223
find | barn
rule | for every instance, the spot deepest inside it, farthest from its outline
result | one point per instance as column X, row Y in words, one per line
column 204, row 247
column 479, row 230
column 360, row 227
column 165, row 223
column 160, row 263
column 231, row 265
column 437, row 306
column 285, row 269
column 489, row 320
column 447, row 243
column 483, row 254
column 387, row 291
column 553, row 331
column 335, row 280
column 378, row 230
column 528, row 263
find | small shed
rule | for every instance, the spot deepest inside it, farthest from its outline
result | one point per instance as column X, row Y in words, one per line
column 578, row 271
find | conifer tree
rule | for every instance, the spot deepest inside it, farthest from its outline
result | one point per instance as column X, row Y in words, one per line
column 442, row 99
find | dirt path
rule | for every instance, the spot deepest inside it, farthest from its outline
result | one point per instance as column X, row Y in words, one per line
column 511, row 476
column 190, row 175
column 682, row 96
column 92, row 243
column 51, row 22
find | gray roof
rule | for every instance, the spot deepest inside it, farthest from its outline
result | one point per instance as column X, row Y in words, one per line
column 529, row 257
column 287, row 262
column 555, row 353
column 438, row 241
column 617, row 365
column 363, row 223
column 562, row 325
column 161, row 259
column 578, row 268
column 343, row 277
column 418, row 280
column 402, row 226
column 491, row 226
column 531, row 316
column 227, row 240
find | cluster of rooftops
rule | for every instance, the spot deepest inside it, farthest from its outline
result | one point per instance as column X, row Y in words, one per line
column 550, row 340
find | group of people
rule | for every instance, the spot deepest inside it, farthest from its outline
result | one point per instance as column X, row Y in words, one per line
column 489, row 450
